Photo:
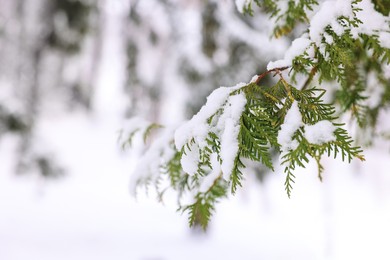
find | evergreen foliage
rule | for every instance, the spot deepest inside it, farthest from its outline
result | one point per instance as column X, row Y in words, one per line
column 251, row 121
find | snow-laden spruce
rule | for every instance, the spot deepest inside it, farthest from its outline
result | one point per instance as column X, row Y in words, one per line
column 354, row 18
column 214, row 174
column 320, row 133
column 373, row 93
column 148, row 165
column 343, row 50
column 328, row 15
column 292, row 122
column 371, row 21
column 197, row 128
column 229, row 127
column 193, row 134
column 298, row 47
column 190, row 159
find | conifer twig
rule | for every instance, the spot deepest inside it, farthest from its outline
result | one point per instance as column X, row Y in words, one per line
column 277, row 70
column 310, row 78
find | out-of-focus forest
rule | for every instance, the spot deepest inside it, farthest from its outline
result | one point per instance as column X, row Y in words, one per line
column 172, row 52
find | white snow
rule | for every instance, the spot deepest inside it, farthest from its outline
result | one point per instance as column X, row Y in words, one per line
column 208, row 181
column 292, row 122
column 328, row 38
column 225, row 126
column 241, row 4
column 322, row 50
column 190, row 160
column 321, row 132
column 384, row 39
column 148, row 166
column 135, row 125
column 386, row 71
column 7, row 96
column 229, row 147
column 327, row 15
column 240, row 31
column 197, row 127
column 254, row 78
column 229, row 125
column 374, row 91
column 234, row 107
column 90, row 215
column 149, row 159
column 373, row 23
column 298, row 47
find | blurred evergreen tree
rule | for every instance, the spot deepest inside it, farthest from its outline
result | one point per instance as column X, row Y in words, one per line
column 41, row 41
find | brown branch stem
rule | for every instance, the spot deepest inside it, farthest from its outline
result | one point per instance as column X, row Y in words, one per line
column 276, row 70
column 310, row 78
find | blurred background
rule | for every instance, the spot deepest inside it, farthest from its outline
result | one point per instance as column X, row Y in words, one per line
column 72, row 72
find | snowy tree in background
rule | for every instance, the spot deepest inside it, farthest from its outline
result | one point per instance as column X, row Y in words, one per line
column 178, row 51
column 49, row 51
column 336, row 70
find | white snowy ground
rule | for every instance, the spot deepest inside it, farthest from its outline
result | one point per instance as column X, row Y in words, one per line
column 90, row 214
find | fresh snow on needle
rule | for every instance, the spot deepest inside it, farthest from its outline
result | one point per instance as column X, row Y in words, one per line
column 226, row 126
column 241, row 4
column 230, row 121
column 298, row 47
column 197, row 127
column 209, row 180
column 148, row 165
column 292, row 122
column 373, row 92
column 372, row 23
column 190, row 159
column 327, row 15
column 320, row 133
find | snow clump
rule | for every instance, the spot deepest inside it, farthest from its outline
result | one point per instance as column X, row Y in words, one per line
column 292, row 122
column 225, row 110
column 320, row 133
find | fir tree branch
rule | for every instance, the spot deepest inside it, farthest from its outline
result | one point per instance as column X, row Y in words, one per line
column 310, row 78
column 276, row 70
